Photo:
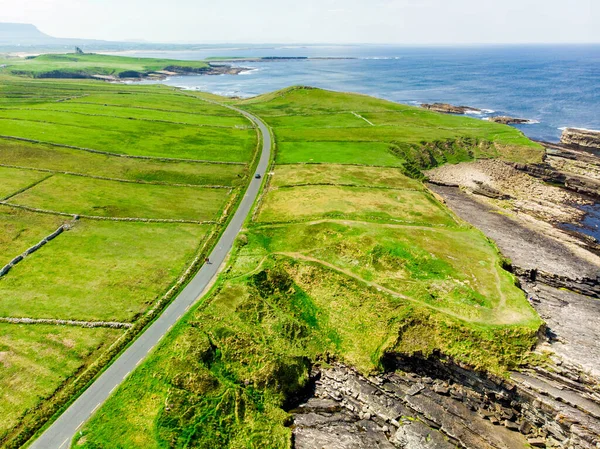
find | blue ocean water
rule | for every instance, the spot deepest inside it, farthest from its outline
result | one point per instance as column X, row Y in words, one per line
column 555, row 86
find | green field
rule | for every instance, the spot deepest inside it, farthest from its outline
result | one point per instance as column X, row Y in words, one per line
column 85, row 65
column 100, row 271
column 318, row 126
column 354, row 203
column 98, row 197
column 35, row 360
column 20, row 230
column 57, row 159
column 66, row 149
column 130, row 137
column 12, row 180
column 338, row 263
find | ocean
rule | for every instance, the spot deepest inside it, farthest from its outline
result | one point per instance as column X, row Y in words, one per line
column 553, row 86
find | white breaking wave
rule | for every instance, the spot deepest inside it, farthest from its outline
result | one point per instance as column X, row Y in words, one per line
column 249, row 71
column 580, row 129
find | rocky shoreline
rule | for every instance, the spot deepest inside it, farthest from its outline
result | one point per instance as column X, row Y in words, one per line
column 584, row 138
column 434, row 402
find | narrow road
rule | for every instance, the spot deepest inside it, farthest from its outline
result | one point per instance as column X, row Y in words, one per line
column 62, row 431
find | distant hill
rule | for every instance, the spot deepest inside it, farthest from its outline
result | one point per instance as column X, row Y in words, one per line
column 27, row 37
column 22, row 33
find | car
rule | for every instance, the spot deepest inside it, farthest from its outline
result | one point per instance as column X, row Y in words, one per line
column 257, row 176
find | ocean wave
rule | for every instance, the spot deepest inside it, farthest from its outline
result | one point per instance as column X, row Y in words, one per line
column 479, row 112
column 578, row 128
column 249, row 71
column 381, row 58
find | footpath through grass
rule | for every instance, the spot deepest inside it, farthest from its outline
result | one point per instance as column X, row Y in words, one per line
column 148, row 165
column 340, row 262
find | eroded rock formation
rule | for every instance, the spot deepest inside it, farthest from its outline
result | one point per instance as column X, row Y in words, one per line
column 448, row 108
column 509, row 120
column 581, row 138
column 434, row 403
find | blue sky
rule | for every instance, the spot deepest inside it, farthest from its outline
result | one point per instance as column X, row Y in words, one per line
column 314, row 21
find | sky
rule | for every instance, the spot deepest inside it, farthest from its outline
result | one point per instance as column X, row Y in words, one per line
column 314, row 21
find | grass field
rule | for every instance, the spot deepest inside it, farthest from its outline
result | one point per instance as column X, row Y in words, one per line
column 57, row 159
column 318, row 126
column 100, row 271
column 98, row 197
column 131, row 137
column 20, row 230
column 355, row 203
column 12, row 180
column 35, row 360
column 83, row 66
column 340, row 262
column 109, row 269
column 346, row 175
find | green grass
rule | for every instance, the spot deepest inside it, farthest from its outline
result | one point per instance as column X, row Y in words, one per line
column 174, row 102
column 20, row 230
column 131, row 137
column 107, row 271
column 315, row 125
column 100, row 270
column 356, row 267
column 190, row 118
column 83, row 66
column 455, row 270
column 293, row 175
column 368, row 153
column 35, row 360
column 59, row 159
column 96, row 197
column 358, row 203
column 12, row 180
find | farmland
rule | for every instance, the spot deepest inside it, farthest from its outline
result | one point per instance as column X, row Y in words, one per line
column 140, row 180
column 347, row 257
column 86, row 65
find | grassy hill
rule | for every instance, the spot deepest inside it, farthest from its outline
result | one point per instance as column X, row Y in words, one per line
column 347, row 257
column 87, row 65
column 144, row 178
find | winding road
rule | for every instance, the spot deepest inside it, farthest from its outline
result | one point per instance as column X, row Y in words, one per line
column 62, row 431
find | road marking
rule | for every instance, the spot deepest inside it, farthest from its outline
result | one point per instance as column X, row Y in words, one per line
column 64, row 442
column 95, row 408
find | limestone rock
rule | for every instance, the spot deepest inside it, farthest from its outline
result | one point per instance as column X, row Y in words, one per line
column 581, row 137
column 448, row 108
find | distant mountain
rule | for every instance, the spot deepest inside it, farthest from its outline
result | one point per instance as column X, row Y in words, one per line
column 27, row 37
column 22, row 33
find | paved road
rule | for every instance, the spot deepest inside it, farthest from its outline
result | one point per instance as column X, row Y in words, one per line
column 61, row 432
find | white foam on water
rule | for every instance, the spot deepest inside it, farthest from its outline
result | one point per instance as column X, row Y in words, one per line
column 249, row 71
column 580, row 129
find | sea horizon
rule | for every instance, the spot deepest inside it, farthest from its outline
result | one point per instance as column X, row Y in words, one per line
column 553, row 85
